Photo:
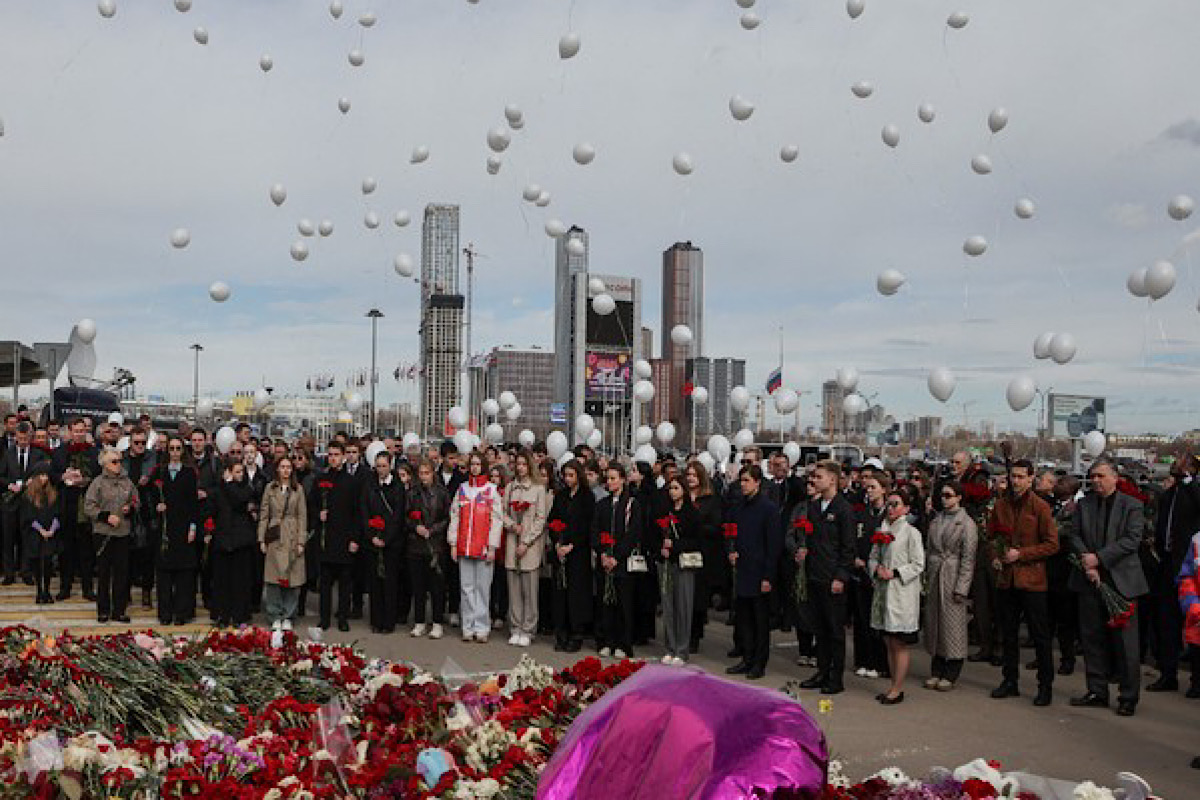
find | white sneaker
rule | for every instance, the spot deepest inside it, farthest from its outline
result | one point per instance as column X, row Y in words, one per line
column 468, row 637
column 286, row 625
column 861, row 672
column 454, row 620
column 618, row 653
column 435, row 632
column 605, row 652
column 678, row 662
column 481, row 638
column 668, row 659
column 871, row 673
column 418, row 630
column 276, row 625
column 525, row 641
column 515, row 640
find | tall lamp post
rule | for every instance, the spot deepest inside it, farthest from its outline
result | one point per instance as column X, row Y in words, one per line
column 374, row 315
column 196, row 383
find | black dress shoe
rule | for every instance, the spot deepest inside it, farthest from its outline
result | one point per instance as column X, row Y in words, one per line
column 756, row 673
column 573, row 646
column 741, row 668
column 27, row 579
column 832, row 688
column 180, row 621
column 1125, row 708
column 121, row 618
column 146, row 601
column 892, row 701
column 734, row 653
column 9, row 580
column 65, row 594
column 1006, row 689
column 102, row 618
column 1196, row 762
column 1164, row 684
column 1066, row 667
column 1193, row 693
column 324, row 624
column 1089, row 700
column 815, row 682
column 979, row 657
column 1045, row 695
column 90, row 596
column 343, row 625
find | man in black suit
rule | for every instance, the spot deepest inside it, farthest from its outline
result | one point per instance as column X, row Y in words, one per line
column 73, row 466
column 9, row 436
column 759, row 543
column 1106, row 536
column 785, row 491
column 1178, row 518
column 18, row 461
column 829, row 562
column 336, row 509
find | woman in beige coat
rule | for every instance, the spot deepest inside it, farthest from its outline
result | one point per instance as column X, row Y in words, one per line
column 283, row 508
column 953, row 539
column 526, row 504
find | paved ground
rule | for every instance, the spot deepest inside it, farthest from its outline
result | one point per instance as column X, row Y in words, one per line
column 928, row 729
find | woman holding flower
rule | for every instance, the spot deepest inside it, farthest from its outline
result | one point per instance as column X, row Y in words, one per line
column 476, row 522
column 616, row 536
column 896, row 563
column 384, row 509
column 231, row 544
column 282, row 537
column 178, row 507
column 569, row 527
column 526, row 504
column 427, row 519
column 679, row 530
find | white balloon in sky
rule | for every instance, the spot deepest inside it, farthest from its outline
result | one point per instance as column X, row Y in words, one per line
column 494, row 433
column 643, row 435
column 336, row 8
column 855, row 8
column 665, row 433
column 890, row 135
column 863, row 89
column 507, row 400
column 325, row 227
column 527, row 438
column 958, row 20
column 1024, row 208
column 941, row 383
column 682, row 163
column 1020, row 392
column 1160, row 279
column 1181, row 207
column 568, row 45
column 265, row 62
column 750, row 20
column 493, row 164
column 740, row 108
column 926, row 113
column 180, row 238
column 595, row 439
column 457, row 417
column 1062, row 347
column 356, row 57
column 719, row 448
column 743, row 438
column 1041, row 345
column 204, row 407
column 1136, row 283
column 889, row 282
column 107, row 8
column 1094, row 443
column 344, row 105
column 531, row 192
column 85, row 331
column 200, row 35
column 420, row 154
column 786, row 401
column 997, row 120
column 306, row 227
column 847, row 378
column 699, row 395
column 854, row 404
column 576, row 247
column 403, row 264
column 369, row 185
column 513, row 113
column 643, row 391
column 584, row 425
column 261, row 398
column 402, row 219
column 603, row 304
column 596, row 285
column 367, row 19
column 646, row 454
column 739, row 399
column 371, row 220
column 642, row 368
column 681, row 335
column 490, row 407
column 224, row 439
column 556, row 444
column 517, row 124
column 789, row 153
column 745, row 3
column 219, row 291
column 981, row 165
column 299, row 250
column 543, row 199
column 555, row 228
column 498, row 139
column 975, row 245
column 584, row 153
column 791, row 452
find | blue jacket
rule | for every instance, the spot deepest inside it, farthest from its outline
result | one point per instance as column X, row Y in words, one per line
column 759, row 543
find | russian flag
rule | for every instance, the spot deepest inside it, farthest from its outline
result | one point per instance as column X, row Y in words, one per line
column 775, row 381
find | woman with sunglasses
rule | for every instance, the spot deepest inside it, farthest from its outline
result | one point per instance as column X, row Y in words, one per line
column 953, row 539
column 177, row 505
column 870, row 655
column 896, row 563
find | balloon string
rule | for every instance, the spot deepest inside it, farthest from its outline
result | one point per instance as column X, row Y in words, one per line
column 949, row 63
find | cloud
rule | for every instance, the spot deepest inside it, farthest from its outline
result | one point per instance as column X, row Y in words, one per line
column 1186, row 131
column 1132, row 216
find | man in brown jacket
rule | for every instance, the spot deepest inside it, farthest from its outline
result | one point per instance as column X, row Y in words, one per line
column 1023, row 530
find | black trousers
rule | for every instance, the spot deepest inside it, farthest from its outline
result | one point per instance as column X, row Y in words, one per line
column 342, row 575
column 362, row 568
column 869, row 649
column 645, row 603
column 948, row 668
column 384, row 590
column 1064, row 621
column 176, row 594
column 565, row 629
column 78, row 559
column 1108, row 651
column 141, row 562
column 427, row 582
column 983, row 602
column 754, row 625
column 1168, row 634
column 702, row 599
column 616, row 628
column 498, row 599
column 1011, row 604
column 112, row 573
column 10, row 539
column 453, row 588
column 43, row 567
column 829, row 614
column 233, row 584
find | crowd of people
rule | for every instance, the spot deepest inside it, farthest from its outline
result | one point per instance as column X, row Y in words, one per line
column 588, row 548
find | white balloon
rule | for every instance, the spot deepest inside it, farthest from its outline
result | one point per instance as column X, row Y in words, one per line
column 306, row 227
column 1136, row 283
column 891, row 135
column 1041, row 345
column 568, row 45
column 1180, row 207
column 997, row 120
column 583, row 153
column 420, row 154
column 344, row 105
column 646, row 454
column 584, row 425
column 261, row 398
column 555, row 228
column 457, row 417
column 278, row 194
column 1094, row 443
column 603, row 304
column 789, row 153
column 847, row 378
column 513, row 113
column 513, row 412
column 180, row 238
column 325, row 227
column 926, row 113
column 265, row 62
column 200, row 35
column 402, row 219
column 1024, row 208
column 958, row 20
column 369, row 185
column 576, row 247
column 739, row 399
column 372, row 452
column 1160, row 279
column 494, row 433
column 719, row 448
column 700, row 395
column 643, row 435
column 543, row 199
column 219, row 291
column 975, row 246
column 681, row 335
column 371, row 220
column 498, row 139
column 403, row 265
column 863, row 89
column 367, row 19
column 494, row 164
column 665, row 433
column 335, row 9
column 743, row 438
column 526, row 438
column 745, row 3
column 786, row 401
column 517, row 125
column 507, row 400
column 682, row 163
column 489, row 407
column 889, row 282
column 981, row 165
column 595, row 439
column 854, row 404
column 596, row 285
column 707, row 461
column 204, row 408
column 791, row 452
column 941, row 383
column 107, row 8
column 740, row 108
column 855, row 8
column 642, row 369
column 464, row 441
column 531, row 192
column 1020, row 393
column 750, row 20
column 116, row 418
column 224, row 439
column 356, row 57
column 556, row 444
column 410, row 441
column 85, row 330
column 299, row 250
column 643, row 391
column 1062, row 347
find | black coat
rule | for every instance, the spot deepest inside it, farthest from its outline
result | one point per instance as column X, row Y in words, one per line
column 622, row 518
column 337, row 493
column 428, row 506
column 868, row 521
column 36, row 545
column 1178, row 518
column 235, row 528
column 182, row 514
column 576, row 512
column 759, row 543
column 710, row 519
column 87, row 461
column 388, row 502
column 10, row 465
column 786, row 493
column 831, row 544
column 684, row 533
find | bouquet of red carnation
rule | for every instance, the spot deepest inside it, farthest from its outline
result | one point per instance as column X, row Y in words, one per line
column 325, row 486
column 805, row 527
column 731, row 533
column 882, row 538
column 378, row 525
column 1001, row 538
column 1120, row 609
column 557, row 526
column 609, row 543
column 520, row 506
column 415, row 515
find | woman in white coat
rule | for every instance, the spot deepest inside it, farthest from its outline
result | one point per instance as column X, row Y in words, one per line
column 526, row 504
column 896, row 562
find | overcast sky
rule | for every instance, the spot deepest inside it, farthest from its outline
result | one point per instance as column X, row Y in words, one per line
column 118, row 131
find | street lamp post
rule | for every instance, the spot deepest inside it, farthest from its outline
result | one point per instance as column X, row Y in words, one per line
column 196, row 383
column 374, row 315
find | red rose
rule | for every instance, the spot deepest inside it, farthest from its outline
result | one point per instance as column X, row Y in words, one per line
column 158, row 482
column 415, row 515
column 376, row 523
column 607, row 540
column 557, row 525
column 978, row 790
column 730, row 530
column 209, row 525
column 285, row 583
column 327, row 485
column 803, row 524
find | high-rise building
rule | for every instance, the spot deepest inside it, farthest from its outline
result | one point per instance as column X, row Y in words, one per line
column 659, row 409
column 441, row 318
column 570, row 259
column 602, row 355
column 718, row 376
column 647, row 343
column 528, row 373
column 682, row 304
column 835, row 422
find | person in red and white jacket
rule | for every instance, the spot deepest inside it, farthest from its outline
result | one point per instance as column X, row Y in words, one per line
column 476, row 524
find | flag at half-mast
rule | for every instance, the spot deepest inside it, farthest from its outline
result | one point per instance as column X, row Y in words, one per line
column 775, row 381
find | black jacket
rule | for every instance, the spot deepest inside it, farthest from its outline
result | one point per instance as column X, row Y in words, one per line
column 183, row 512
column 684, row 533
column 622, row 519
column 831, row 544
column 759, row 543
column 386, row 501
column 337, row 493
column 10, row 465
column 576, row 513
column 87, row 460
column 235, row 528
column 428, row 506
column 1178, row 518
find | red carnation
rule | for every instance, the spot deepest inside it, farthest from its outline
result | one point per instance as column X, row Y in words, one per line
column 607, row 540
column 209, row 525
column 557, row 525
column 376, row 523
column 158, row 482
column 520, row 505
column 284, row 583
column 325, row 485
column 415, row 515
column 978, row 790
column 804, row 525
column 882, row 538
column 663, row 522
column 731, row 530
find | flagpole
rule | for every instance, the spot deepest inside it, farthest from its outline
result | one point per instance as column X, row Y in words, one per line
column 781, row 375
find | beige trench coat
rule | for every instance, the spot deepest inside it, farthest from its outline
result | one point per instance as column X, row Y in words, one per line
column 953, row 543
column 525, row 527
column 284, row 558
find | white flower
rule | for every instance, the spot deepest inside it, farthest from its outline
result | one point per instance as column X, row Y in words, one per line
column 305, row 665
column 421, row 678
column 379, row 681
column 476, row 790
column 837, row 775
column 893, row 776
column 460, row 719
column 980, row 770
column 273, row 794
column 288, row 781
column 1090, row 791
